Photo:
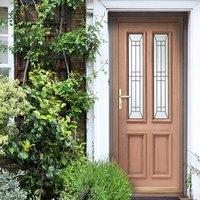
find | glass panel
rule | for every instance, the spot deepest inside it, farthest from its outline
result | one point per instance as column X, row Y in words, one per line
column 3, row 20
column 3, row 52
column 4, row 72
column 161, row 77
column 136, row 76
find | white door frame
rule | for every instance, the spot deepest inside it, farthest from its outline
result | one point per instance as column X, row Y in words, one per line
column 98, row 120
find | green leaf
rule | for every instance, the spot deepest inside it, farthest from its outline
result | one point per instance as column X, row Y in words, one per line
column 23, row 155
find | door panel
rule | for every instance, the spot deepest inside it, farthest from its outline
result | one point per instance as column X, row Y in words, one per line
column 148, row 103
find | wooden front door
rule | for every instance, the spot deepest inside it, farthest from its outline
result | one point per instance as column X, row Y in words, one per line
column 148, row 102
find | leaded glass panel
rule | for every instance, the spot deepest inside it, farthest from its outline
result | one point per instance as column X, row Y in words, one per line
column 136, row 76
column 161, row 76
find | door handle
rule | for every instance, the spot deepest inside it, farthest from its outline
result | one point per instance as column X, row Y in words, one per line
column 121, row 97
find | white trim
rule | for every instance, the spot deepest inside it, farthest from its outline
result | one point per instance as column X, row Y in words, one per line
column 90, row 114
column 5, row 3
column 4, row 66
column 171, row 5
column 99, row 122
column 193, row 93
column 10, row 44
column 10, row 64
column 99, row 129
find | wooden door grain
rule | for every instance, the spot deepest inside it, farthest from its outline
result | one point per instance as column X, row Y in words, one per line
column 148, row 141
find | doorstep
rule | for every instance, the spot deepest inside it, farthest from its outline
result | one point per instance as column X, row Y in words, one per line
column 160, row 198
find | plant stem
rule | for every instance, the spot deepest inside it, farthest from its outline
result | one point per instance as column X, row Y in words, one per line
column 61, row 19
column 60, row 31
column 66, row 64
column 21, row 2
column 25, row 71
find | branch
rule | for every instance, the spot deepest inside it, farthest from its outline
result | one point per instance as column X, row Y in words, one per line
column 62, row 19
column 66, row 64
column 60, row 31
column 25, row 71
column 22, row 2
column 34, row 4
column 99, row 70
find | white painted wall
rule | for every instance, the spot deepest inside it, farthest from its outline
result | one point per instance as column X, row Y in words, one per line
column 98, row 122
column 194, row 93
column 101, row 90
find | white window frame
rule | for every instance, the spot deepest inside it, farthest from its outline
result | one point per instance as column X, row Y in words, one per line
column 10, row 64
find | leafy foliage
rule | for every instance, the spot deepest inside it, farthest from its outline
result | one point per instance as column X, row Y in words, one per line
column 41, row 42
column 193, row 169
column 10, row 187
column 12, row 101
column 100, row 181
column 46, row 141
column 83, row 41
column 12, row 104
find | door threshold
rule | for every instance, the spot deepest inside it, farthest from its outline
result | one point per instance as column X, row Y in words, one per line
column 175, row 195
column 160, row 198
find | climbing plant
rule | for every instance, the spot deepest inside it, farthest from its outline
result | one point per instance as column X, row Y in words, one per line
column 43, row 38
column 46, row 140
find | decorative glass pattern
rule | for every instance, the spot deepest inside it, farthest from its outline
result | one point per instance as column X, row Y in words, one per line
column 161, row 76
column 136, row 76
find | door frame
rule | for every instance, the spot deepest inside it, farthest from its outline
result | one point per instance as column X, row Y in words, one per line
column 114, row 19
column 98, row 118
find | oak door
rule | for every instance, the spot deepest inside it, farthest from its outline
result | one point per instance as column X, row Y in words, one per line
column 148, row 103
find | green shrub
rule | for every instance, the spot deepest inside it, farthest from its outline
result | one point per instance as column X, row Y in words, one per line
column 12, row 101
column 46, row 140
column 10, row 187
column 12, row 104
column 95, row 181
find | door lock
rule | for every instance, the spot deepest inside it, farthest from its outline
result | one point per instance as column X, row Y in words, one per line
column 121, row 97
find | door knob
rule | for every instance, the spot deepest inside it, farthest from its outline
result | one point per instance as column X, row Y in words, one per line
column 121, row 97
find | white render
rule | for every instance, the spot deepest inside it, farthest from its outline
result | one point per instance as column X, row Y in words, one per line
column 98, row 122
